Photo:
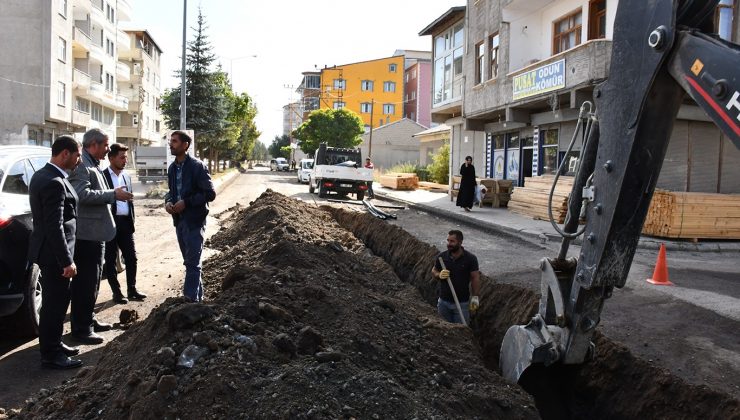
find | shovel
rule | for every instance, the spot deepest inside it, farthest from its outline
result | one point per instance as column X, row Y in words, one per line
column 454, row 295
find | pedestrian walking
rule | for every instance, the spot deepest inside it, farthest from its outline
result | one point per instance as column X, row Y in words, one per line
column 466, row 193
column 52, row 246
column 369, row 165
column 190, row 191
column 123, row 214
column 461, row 268
column 95, row 227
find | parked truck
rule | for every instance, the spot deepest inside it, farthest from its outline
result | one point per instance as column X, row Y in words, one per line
column 151, row 163
column 339, row 170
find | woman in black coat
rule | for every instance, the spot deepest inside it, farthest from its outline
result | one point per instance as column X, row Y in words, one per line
column 466, row 194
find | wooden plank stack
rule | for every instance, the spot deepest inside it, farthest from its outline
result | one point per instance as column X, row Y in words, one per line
column 531, row 199
column 498, row 192
column 688, row 215
column 400, row 181
column 433, row 187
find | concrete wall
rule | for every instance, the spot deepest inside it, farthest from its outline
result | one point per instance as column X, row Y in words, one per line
column 393, row 144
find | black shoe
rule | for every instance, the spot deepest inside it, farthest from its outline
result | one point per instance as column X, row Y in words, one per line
column 70, row 351
column 119, row 298
column 134, row 294
column 60, row 361
column 91, row 338
column 101, row 326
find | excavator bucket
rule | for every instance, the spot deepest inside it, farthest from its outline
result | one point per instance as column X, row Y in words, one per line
column 525, row 345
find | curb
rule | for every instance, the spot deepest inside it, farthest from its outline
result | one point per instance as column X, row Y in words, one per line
column 647, row 243
column 225, row 181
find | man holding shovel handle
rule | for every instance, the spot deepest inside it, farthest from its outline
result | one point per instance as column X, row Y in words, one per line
column 458, row 272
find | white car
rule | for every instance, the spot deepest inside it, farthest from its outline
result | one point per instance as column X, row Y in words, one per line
column 305, row 167
column 279, row 164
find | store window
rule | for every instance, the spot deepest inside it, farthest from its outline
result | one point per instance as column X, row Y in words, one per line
column 549, row 155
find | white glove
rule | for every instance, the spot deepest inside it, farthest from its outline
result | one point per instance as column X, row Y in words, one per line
column 444, row 274
column 474, row 304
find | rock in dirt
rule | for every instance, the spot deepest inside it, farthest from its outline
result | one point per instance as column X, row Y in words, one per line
column 128, row 316
column 167, row 384
column 283, row 343
column 188, row 315
column 309, row 341
column 328, row 356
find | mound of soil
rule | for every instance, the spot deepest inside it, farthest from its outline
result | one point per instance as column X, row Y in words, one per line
column 301, row 321
column 615, row 384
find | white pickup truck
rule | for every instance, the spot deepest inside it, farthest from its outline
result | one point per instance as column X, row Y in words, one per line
column 339, row 170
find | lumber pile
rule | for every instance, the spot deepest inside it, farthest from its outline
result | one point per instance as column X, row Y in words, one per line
column 498, row 192
column 687, row 215
column 531, row 199
column 400, row 181
column 433, row 187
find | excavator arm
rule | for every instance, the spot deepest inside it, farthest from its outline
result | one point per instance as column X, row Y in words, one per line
column 660, row 52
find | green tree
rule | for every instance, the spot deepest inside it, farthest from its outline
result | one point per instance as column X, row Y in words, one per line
column 439, row 169
column 259, row 152
column 207, row 103
column 335, row 127
column 278, row 143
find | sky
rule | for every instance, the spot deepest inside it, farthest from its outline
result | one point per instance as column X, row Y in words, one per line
column 287, row 37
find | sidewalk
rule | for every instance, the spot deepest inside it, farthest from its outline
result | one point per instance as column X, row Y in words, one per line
column 502, row 220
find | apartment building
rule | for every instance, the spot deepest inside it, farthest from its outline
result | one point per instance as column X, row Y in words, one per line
column 417, row 82
column 310, row 91
column 58, row 70
column 524, row 68
column 373, row 89
column 139, row 80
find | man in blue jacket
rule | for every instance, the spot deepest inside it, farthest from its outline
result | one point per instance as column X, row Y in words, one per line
column 190, row 192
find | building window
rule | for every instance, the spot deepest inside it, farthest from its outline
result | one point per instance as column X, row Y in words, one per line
column 339, row 84
column 549, row 159
column 367, row 85
column 313, row 82
column 493, row 42
column 109, row 47
column 597, row 19
column 109, row 82
column 82, row 105
column 108, row 116
column 338, row 105
column 61, row 93
column 567, row 32
column 63, row 8
column 480, row 53
column 389, row 86
column 62, row 54
column 110, row 13
column 392, row 68
column 366, row 107
column 96, row 112
column 367, row 128
column 448, row 58
column 389, row 109
column 723, row 19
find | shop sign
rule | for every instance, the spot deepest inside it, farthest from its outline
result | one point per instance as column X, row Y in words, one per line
column 540, row 80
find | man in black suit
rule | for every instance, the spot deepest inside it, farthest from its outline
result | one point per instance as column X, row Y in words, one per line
column 123, row 213
column 54, row 209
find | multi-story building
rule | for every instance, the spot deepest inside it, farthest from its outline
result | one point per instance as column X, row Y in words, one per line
column 59, row 77
column 417, row 82
column 373, row 89
column 310, row 91
column 139, row 80
column 518, row 71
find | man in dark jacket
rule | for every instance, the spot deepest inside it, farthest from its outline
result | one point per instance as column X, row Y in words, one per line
column 190, row 192
column 54, row 209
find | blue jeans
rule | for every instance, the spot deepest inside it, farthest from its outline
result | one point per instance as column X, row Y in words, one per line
column 190, row 239
column 448, row 311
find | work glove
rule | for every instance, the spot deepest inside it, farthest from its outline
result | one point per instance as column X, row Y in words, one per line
column 474, row 304
column 444, row 274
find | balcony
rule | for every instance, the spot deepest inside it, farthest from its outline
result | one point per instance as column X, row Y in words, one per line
column 127, row 131
column 80, row 9
column 584, row 64
column 97, row 54
column 97, row 14
column 123, row 42
column 80, row 118
column 80, row 82
column 515, row 9
column 124, row 10
column 123, row 72
column 96, row 89
column 121, row 103
column 80, row 40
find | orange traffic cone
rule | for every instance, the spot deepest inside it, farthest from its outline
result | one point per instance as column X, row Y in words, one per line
column 660, row 275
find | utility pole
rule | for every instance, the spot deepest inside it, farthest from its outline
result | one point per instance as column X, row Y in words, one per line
column 183, row 88
column 370, row 141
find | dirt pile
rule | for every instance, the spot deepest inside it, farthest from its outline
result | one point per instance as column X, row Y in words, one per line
column 301, row 321
column 616, row 384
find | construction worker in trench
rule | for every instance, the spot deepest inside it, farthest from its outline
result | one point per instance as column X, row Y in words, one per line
column 461, row 268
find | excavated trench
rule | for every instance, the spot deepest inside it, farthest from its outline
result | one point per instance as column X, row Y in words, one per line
column 316, row 313
column 616, row 384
